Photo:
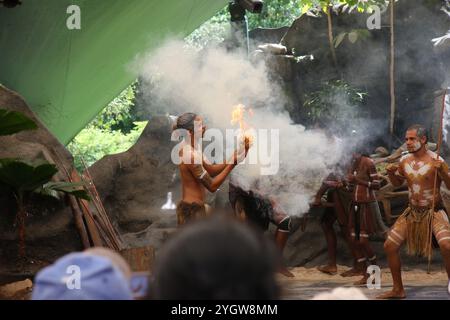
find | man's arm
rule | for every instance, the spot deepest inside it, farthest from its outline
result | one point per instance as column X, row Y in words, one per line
column 394, row 175
column 443, row 171
column 213, row 169
column 212, row 184
column 375, row 182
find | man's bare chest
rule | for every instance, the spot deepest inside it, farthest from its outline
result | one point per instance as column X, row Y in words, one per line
column 419, row 171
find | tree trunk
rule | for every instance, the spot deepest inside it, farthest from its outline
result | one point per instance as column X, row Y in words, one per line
column 392, row 71
column 21, row 214
column 330, row 37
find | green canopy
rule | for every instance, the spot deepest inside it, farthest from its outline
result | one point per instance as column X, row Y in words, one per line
column 68, row 76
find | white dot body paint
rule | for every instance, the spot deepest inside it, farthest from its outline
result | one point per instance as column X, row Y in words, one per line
column 416, row 188
column 417, row 146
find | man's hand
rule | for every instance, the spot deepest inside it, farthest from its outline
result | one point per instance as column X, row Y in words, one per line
column 241, row 153
column 441, row 166
column 239, row 156
column 333, row 184
column 248, row 142
column 317, row 202
column 351, row 178
column 391, row 168
column 437, row 164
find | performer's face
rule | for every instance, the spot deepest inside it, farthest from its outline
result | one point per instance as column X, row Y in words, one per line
column 413, row 142
column 199, row 127
column 356, row 156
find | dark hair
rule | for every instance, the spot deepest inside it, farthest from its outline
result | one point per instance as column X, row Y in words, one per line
column 216, row 259
column 186, row 121
column 420, row 129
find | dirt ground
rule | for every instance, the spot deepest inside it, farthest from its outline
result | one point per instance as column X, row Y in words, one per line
column 418, row 283
column 309, row 281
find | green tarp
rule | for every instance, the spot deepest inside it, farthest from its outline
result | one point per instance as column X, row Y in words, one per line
column 68, row 76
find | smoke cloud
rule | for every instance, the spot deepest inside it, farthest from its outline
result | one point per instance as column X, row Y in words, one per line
column 211, row 83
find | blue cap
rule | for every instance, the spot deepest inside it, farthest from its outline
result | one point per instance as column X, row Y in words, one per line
column 81, row 276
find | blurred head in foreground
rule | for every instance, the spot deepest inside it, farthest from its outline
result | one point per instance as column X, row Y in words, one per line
column 216, row 259
column 95, row 274
column 341, row 294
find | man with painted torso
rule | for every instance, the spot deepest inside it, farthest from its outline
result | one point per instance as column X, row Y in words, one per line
column 425, row 216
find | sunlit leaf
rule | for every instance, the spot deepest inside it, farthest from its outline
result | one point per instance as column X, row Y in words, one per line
column 353, row 36
column 339, row 39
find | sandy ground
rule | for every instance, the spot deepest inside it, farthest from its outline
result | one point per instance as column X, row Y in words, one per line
column 418, row 283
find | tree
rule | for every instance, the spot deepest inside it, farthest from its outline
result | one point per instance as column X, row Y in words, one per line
column 275, row 14
column 336, row 102
column 113, row 130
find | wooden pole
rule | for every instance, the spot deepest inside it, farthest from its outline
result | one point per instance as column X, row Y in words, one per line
column 77, row 214
column 392, row 69
column 78, row 217
column 330, row 36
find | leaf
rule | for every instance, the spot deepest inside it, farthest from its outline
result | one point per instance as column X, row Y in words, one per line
column 339, row 39
column 41, row 175
column 81, row 194
column 12, row 122
column 305, row 8
column 353, row 36
column 75, row 189
column 47, row 193
column 23, row 176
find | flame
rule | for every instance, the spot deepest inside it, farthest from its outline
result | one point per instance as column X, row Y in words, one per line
column 238, row 116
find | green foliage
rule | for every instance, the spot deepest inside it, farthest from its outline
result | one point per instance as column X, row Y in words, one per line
column 12, row 122
column 119, row 114
column 212, row 32
column 336, row 102
column 316, row 6
column 275, row 14
column 114, row 130
column 93, row 143
column 22, row 176
column 54, row 188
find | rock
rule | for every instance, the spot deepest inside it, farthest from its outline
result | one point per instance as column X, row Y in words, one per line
column 134, row 185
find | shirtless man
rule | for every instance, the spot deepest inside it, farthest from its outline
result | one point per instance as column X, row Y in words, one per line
column 364, row 214
column 197, row 174
column 337, row 194
column 416, row 223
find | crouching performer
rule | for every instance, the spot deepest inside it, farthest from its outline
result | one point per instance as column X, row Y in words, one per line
column 425, row 215
column 254, row 207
